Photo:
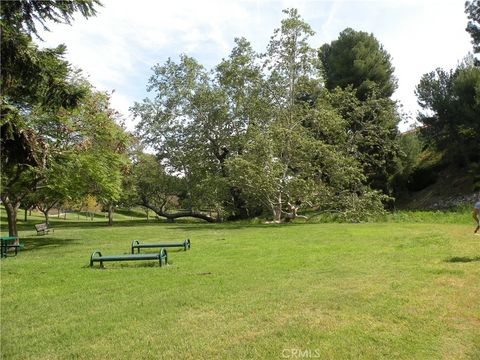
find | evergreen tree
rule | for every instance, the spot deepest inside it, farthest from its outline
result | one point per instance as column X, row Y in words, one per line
column 356, row 58
column 450, row 101
column 31, row 79
column 472, row 9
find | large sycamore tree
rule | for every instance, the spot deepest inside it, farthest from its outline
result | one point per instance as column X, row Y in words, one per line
column 196, row 121
column 299, row 155
column 258, row 130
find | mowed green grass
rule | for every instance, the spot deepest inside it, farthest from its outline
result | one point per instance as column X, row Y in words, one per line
column 330, row 291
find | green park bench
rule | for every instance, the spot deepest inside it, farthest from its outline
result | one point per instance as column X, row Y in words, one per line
column 160, row 256
column 136, row 245
column 43, row 228
column 7, row 243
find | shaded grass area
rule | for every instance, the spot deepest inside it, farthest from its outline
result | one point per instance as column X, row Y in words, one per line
column 343, row 291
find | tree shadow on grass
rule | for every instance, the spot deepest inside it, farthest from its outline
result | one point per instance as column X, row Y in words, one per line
column 232, row 226
column 116, row 224
column 34, row 243
column 463, row 259
column 126, row 265
column 59, row 224
column 182, row 224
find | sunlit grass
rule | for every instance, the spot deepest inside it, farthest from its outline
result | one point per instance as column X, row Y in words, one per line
column 369, row 291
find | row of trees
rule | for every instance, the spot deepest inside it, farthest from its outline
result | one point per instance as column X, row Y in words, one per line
column 273, row 132
column 294, row 126
column 297, row 126
column 60, row 139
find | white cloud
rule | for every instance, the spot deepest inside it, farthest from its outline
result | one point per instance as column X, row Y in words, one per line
column 119, row 46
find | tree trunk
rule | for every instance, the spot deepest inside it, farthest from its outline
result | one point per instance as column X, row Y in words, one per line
column 277, row 213
column 46, row 217
column 11, row 218
column 110, row 214
column 277, row 209
column 240, row 208
column 25, row 214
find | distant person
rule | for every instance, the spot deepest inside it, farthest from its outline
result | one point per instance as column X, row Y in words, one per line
column 476, row 216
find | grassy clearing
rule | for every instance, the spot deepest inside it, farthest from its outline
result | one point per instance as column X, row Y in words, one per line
column 342, row 291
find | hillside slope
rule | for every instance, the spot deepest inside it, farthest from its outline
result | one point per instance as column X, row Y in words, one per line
column 439, row 187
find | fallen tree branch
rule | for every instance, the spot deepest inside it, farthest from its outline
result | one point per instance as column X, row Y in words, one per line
column 189, row 213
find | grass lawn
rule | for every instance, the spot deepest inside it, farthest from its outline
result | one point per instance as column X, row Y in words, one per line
column 328, row 291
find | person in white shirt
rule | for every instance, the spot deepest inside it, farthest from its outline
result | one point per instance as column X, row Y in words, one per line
column 476, row 216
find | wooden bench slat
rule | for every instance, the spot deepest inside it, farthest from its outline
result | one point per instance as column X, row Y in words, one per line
column 43, row 228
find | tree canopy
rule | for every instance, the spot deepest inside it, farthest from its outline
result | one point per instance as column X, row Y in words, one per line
column 450, row 101
column 22, row 15
column 472, row 9
column 293, row 127
column 258, row 131
column 357, row 59
column 53, row 122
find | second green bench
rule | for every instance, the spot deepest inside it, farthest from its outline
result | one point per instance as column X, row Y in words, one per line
column 136, row 245
column 161, row 256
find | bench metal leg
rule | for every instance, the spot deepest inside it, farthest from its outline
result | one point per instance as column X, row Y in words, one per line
column 91, row 258
column 134, row 245
column 162, row 255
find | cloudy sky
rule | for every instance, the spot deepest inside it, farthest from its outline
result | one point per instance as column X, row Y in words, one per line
column 118, row 48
